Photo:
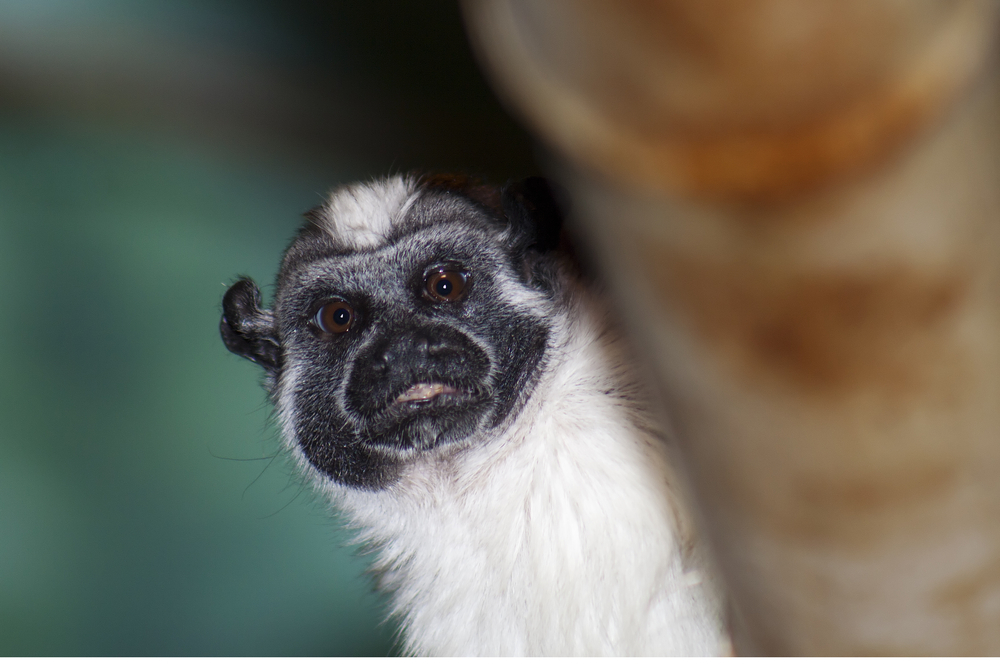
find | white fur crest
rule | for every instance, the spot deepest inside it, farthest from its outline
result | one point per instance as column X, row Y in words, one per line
column 361, row 215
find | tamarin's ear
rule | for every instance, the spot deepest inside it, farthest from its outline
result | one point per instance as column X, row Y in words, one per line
column 533, row 214
column 530, row 208
column 247, row 329
column 470, row 187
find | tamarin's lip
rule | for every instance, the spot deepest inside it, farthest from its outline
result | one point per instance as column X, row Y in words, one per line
column 425, row 391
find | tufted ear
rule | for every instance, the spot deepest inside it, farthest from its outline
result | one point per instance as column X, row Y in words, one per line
column 533, row 215
column 529, row 210
column 473, row 188
column 247, row 329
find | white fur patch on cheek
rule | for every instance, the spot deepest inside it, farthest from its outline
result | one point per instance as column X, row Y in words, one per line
column 285, row 404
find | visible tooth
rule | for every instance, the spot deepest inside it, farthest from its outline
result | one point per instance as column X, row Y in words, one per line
column 424, row 391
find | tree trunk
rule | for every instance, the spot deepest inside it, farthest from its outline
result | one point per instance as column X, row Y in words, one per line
column 796, row 205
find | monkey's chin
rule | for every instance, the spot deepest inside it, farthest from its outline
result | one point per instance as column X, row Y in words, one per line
column 418, row 426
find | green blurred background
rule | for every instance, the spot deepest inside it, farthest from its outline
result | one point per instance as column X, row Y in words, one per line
column 151, row 151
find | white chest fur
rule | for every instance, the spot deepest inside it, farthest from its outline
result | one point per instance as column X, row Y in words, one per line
column 562, row 536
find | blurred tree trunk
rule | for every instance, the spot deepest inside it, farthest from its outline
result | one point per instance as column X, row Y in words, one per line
column 796, row 205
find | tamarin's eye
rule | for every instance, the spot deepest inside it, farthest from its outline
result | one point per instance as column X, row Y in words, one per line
column 446, row 284
column 335, row 317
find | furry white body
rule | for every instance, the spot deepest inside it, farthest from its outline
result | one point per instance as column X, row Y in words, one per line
column 561, row 535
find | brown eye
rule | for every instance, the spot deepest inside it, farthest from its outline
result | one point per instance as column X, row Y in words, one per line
column 446, row 284
column 335, row 317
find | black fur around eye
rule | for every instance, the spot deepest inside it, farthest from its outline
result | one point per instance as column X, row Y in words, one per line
column 335, row 317
column 446, row 284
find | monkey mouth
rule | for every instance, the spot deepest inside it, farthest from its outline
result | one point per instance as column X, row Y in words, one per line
column 422, row 392
column 430, row 397
column 425, row 413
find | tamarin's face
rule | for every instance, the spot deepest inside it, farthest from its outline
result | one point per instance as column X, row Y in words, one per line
column 409, row 316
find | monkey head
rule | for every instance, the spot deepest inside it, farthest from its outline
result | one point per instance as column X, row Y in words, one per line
column 410, row 316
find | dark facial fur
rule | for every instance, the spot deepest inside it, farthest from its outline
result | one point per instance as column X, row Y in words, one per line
column 413, row 371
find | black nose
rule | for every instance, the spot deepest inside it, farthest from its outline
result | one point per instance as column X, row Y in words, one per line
column 425, row 348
